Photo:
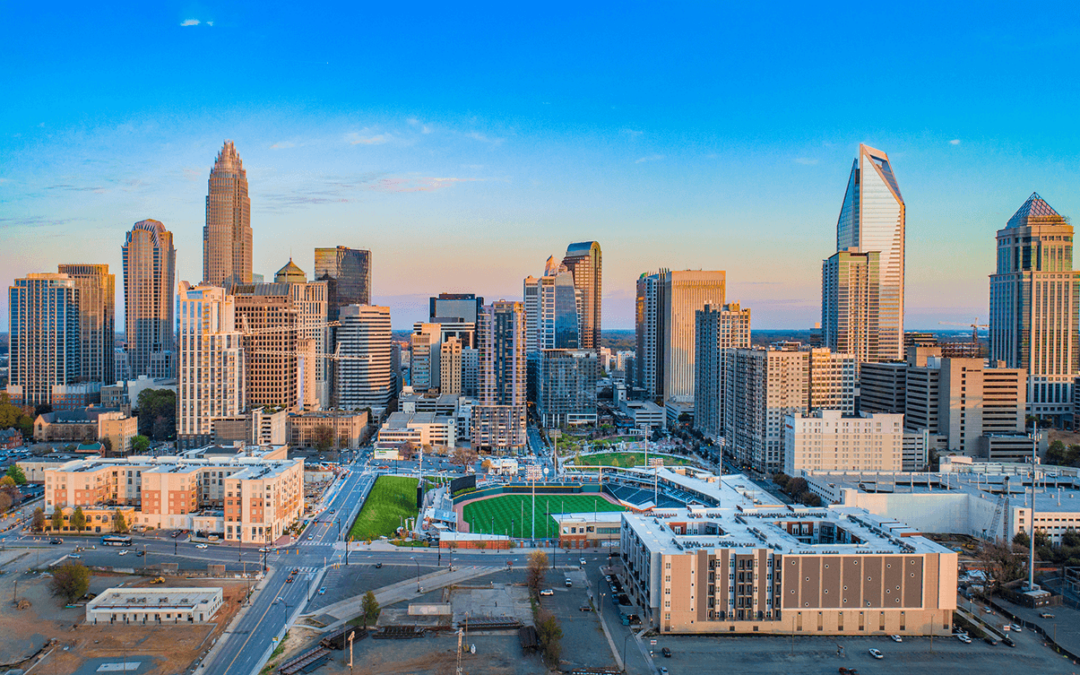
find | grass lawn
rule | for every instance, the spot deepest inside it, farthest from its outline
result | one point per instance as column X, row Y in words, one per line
column 392, row 498
column 626, row 460
column 518, row 508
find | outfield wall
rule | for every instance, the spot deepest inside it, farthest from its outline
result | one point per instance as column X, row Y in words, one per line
column 527, row 489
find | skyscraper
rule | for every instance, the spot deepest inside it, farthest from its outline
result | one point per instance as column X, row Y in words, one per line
column 584, row 262
column 873, row 218
column 210, row 362
column 1034, row 297
column 227, row 235
column 347, row 272
column 552, row 302
column 717, row 330
column 364, row 376
column 451, row 367
column 850, row 317
column 498, row 422
column 462, row 307
column 424, row 356
column 149, row 312
column 45, row 343
column 566, row 385
column 97, row 316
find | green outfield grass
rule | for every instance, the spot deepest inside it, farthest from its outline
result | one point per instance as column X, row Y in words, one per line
column 626, row 460
column 392, row 498
column 513, row 511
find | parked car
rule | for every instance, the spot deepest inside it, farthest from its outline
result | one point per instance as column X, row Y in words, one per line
column 139, row 554
column 1016, row 628
column 124, row 552
column 963, row 638
column 1009, row 641
column 848, row 671
column 322, row 591
column 990, row 641
column 1046, row 615
column 378, row 566
column 546, row 592
column 896, row 638
column 581, row 561
column 569, row 583
column 876, row 653
column 666, row 652
column 75, row 555
column 202, row 545
column 54, row 542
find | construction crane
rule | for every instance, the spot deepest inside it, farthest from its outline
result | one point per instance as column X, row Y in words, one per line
column 246, row 329
column 974, row 327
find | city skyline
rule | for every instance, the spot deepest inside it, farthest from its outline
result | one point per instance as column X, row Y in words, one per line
column 432, row 173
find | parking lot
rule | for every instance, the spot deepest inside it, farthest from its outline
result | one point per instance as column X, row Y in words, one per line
column 583, row 642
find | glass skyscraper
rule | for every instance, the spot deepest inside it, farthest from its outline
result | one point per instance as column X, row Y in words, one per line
column 873, row 218
column 347, row 272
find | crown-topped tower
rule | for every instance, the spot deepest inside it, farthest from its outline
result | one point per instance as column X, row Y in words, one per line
column 227, row 236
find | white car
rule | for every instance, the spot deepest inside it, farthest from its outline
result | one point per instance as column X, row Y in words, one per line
column 124, row 552
column 581, row 561
column 1016, row 628
column 963, row 638
column 896, row 638
column 546, row 592
column 201, row 546
column 876, row 654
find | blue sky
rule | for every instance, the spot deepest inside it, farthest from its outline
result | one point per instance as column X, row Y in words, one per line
column 464, row 145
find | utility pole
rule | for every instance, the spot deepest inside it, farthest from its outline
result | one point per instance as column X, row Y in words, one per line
column 351, row 634
column 1034, row 458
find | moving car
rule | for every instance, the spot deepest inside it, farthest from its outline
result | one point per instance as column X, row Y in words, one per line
column 581, row 561
column 322, row 591
column 202, row 546
column 289, row 580
column 896, row 638
column 124, row 552
column 666, row 652
column 876, row 653
column 378, row 565
column 546, row 592
column 75, row 555
column 54, row 542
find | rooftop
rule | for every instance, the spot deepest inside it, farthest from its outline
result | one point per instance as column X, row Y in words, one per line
column 1034, row 208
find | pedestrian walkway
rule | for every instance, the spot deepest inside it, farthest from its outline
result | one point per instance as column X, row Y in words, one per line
column 338, row 613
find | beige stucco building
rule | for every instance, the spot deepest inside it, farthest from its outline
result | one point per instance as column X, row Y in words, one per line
column 828, row 440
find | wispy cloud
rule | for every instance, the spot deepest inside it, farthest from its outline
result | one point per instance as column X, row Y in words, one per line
column 650, row 158
column 340, row 190
column 808, row 161
column 190, row 22
column 955, row 141
column 424, row 128
column 34, row 221
column 282, row 145
column 358, row 138
column 96, row 189
column 633, row 134
column 418, row 184
column 484, row 138
column 193, row 175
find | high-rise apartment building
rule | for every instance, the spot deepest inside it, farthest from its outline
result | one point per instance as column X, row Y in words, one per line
column 211, row 382
column 567, row 387
column 149, row 311
column 364, row 377
column 585, row 263
column 97, row 317
column 45, row 345
column 470, row 372
column 451, row 368
column 347, row 272
column 425, row 344
column 1034, row 311
column 716, row 331
column 498, row 420
column 872, row 219
column 552, row 319
column 850, row 315
column 284, row 327
column 227, row 237
column 763, row 386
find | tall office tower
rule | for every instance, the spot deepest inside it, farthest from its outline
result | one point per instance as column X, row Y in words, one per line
column 451, row 368
column 567, row 387
column 763, row 386
column 460, row 306
column 347, row 272
column 97, row 312
column 45, row 345
column 149, row 311
column 470, row 372
column 498, row 422
column 584, row 262
column 312, row 300
column 227, row 235
column 649, row 334
column 850, row 314
column 1033, row 306
column 210, row 362
column 425, row 343
column 364, row 376
column 551, row 310
column 716, row 331
column 873, row 218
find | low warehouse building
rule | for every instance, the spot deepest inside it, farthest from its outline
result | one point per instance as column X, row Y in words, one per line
column 154, row 606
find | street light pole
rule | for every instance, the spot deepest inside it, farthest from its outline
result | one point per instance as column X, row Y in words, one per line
column 413, row 558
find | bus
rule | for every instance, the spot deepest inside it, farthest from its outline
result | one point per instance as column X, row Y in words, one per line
column 116, row 540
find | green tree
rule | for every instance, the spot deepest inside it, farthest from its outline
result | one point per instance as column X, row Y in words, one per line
column 371, row 609
column 1057, row 454
column 70, row 581
column 16, row 474
column 157, row 414
column 106, row 446
column 13, row 417
column 78, row 519
column 119, row 522
column 140, row 444
column 37, row 524
column 57, row 520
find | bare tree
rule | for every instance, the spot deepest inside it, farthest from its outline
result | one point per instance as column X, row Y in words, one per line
column 536, row 571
